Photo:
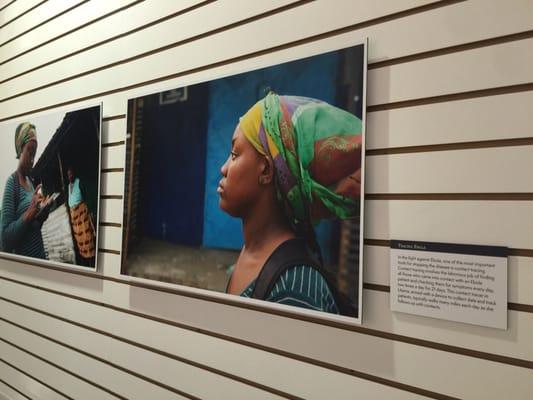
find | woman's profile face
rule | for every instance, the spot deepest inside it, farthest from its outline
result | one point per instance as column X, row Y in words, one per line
column 239, row 187
column 27, row 157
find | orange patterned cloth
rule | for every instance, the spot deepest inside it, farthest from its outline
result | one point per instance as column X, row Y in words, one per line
column 83, row 229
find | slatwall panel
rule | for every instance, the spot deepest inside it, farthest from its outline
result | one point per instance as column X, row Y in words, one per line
column 450, row 151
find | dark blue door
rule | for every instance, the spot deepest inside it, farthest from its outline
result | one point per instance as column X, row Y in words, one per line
column 173, row 167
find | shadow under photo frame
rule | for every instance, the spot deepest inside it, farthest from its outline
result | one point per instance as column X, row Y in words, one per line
column 194, row 210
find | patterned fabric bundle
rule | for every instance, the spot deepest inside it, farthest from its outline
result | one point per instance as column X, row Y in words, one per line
column 24, row 133
column 316, row 149
column 83, row 230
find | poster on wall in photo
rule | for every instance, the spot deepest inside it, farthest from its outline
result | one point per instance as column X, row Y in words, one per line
column 456, row 282
column 250, row 186
column 50, row 180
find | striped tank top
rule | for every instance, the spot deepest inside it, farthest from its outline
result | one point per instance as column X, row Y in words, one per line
column 300, row 286
column 19, row 237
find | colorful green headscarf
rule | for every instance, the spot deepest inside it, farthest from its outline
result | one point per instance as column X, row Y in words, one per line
column 24, row 133
column 316, row 149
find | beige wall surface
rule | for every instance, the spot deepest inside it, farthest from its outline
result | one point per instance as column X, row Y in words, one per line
column 449, row 159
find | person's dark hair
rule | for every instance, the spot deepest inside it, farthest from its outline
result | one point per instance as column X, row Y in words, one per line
column 303, row 229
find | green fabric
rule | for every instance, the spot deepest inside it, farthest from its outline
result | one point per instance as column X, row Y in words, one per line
column 312, row 121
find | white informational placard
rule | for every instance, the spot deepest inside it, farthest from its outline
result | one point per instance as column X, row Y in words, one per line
column 463, row 283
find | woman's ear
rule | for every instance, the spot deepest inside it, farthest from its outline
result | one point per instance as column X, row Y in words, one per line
column 267, row 174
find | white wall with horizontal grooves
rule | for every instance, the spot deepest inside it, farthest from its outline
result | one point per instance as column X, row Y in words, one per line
column 449, row 159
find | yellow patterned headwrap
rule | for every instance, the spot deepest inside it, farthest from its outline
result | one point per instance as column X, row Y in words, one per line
column 24, row 133
column 316, row 149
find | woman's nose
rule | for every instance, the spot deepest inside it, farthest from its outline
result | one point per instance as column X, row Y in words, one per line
column 224, row 168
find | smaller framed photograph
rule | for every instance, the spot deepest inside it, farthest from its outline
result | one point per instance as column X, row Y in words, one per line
column 50, row 185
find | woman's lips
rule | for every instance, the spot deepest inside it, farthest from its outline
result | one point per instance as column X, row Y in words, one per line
column 220, row 188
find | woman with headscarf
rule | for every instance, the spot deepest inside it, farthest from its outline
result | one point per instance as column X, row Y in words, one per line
column 21, row 221
column 293, row 161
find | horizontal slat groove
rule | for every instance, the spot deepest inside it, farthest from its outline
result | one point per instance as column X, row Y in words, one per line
column 379, row 288
column 398, row 334
column 111, row 144
column 481, row 144
column 521, row 252
column 44, row 22
column 111, row 224
column 141, row 346
column 114, row 117
column 7, row 5
column 339, row 325
column 525, row 87
column 67, row 346
column 24, row 13
column 163, row 48
column 283, row 353
column 36, row 379
column 451, row 196
column 66, row 34
column 59, row 367
column 510, row 306
column 177, row 291
column 14, row 388
column 332, row 33
column 377, row 242
column 520, row 307
column 160, row 20
column 116, row 252
column 453, row 49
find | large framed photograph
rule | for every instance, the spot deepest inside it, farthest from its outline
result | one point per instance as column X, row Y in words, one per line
column 250, row 187
column 50, row 185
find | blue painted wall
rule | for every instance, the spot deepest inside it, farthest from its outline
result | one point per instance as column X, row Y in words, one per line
column 229, row 99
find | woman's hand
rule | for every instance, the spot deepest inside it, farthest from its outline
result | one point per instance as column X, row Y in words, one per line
column 33, row 208
column 45, row 201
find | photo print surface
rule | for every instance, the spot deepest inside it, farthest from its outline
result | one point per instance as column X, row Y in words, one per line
column 252, row 184
column 50, row 179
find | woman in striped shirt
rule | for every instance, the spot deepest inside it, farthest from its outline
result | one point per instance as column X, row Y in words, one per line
column 21, row 223
column 293, row 161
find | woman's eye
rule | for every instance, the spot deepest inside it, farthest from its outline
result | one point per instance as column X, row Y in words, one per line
column 233, row 155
